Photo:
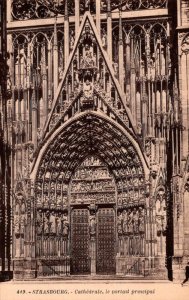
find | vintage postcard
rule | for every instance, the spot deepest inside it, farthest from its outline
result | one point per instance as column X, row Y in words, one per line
column 94, row 149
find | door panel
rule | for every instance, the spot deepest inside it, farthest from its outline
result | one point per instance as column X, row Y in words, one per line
column 106, row 241
column 80, row 239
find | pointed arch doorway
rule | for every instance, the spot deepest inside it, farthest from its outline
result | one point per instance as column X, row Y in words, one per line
column 93, row 219
column 94, row 226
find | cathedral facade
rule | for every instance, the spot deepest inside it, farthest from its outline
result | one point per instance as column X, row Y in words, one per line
column 98, row 126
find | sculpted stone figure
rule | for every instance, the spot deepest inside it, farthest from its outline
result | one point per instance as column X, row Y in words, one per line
column 141, row 219
column 125, row 220
column 65, row 225
column 16, row 224
column 46, row 223
column 39, row 222
column 119, row 223
column 52, row 221
column 92, row 225
column 130, row 221
column 135, row 220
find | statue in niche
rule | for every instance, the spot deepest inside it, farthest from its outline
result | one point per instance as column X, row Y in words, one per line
column 125, row 220
column 135, row 195
column 46, row 200
column 92, row 225
column 39, row 134
column 159, row 224
column 135, row 220
column 52, row 199
column 46, row 223
column 115, row 67
column 87, row 89
column 22, row 218
column 39, row 223
column 119, row 223
column 141, row 219
column 164, row 224
column 59, row 200
column 59, row 186
column 52, row 186
column 59, row 224
column 130, row 221
column 65, row 201
column 65, row 226
column 52, row 222
column 104, row 38
column 17, row 224
column 23, row 207
column 46, row 186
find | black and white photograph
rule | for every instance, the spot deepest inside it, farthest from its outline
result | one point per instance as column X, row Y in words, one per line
column 94, row 149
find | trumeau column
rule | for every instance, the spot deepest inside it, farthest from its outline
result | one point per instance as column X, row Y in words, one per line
column 98, row 15
column 109, row 29
column 66, row 34
column 77, row 16
column 121, row 66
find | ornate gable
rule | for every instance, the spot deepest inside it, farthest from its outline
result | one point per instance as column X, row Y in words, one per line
column 89, row 82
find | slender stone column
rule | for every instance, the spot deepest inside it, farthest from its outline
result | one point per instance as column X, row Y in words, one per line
column 66, row 34
column 55, row 59
column 109, row 30
column 44, row 80
column 133, row 83
column 77, row 16
column 98, row 15
column 49, row 77
column 34, row 119
column 121, row 64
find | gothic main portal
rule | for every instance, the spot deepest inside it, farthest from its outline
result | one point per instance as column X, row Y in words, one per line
column 94, row 119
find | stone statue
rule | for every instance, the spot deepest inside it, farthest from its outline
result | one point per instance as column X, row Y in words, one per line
column 16, row 224
column 135, row 221
column 125, row 220
column 52, row 222
column 22, row 223
column 39, row 222
column 59, row 224
column 141, row 220
column 119, row 223
column 92, row 225
column 87, row 89
column 46, row 223
column 130, row 221
column 65, row 225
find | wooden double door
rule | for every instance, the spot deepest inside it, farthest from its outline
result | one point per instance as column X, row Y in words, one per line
column 93, row 241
